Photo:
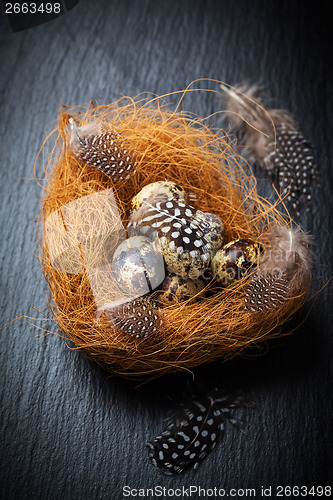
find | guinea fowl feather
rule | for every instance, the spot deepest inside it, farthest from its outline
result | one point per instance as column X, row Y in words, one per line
column 176, row 223
column 273, row 141
column 187, row 441
column 283, row 267
column 105, row 151
column 139, row 318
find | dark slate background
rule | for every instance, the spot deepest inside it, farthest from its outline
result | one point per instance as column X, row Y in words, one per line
column 68, row 431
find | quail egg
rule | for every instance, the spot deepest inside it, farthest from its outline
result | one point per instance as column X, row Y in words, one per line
column 176, row 289
column 138, row 266
column 161, row 189
column 233, row 260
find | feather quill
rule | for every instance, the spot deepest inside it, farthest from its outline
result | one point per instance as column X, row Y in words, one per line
column 283, row 267
column 280, row 149
column 187, row 441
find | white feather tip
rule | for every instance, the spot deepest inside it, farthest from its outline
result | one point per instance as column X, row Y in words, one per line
column 288, row 253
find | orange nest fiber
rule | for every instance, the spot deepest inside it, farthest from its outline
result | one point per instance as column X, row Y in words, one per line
column 182, row 148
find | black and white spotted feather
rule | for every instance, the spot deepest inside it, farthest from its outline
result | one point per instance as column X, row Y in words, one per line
column 105, row 151
column 286, row 154
column 139, row 318
column 266, row 292
column 180, row 227
column 187, row 441
column 283, row 267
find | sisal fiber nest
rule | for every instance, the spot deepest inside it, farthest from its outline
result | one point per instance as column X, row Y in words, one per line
column 176, row 146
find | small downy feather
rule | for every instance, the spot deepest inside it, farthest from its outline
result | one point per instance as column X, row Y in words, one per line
column 102, row 150
column 187, row 441
column 284, row 265
column 287, row 155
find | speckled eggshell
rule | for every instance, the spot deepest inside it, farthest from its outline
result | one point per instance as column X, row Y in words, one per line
column 177, row 289
column 213, row 231
column 139, row 242
column 168, row 189
column 138, row 265
column 233, row 260
column 184, row 257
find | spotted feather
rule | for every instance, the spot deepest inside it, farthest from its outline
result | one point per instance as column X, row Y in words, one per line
column 266, row 292
column 105, row 151
column 188, row 236
column 293, row 164
column 187, row 441
column 140, row 318
column 284, row 267
column 280, row 149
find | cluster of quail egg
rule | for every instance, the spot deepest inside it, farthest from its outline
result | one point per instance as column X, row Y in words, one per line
column 174, row 249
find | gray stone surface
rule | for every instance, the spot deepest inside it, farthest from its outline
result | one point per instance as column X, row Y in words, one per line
column 68, row 431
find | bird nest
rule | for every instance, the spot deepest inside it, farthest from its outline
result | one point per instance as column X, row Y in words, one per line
column 162, row 145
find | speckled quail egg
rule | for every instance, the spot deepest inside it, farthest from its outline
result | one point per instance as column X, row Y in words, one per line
column 188, row 237
column 176, row 289
column 233, row 260
column 138, row 265
column 163, row 189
